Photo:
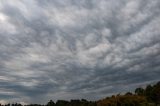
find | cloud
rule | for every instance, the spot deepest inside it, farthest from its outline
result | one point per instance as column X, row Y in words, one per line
column 77, row 49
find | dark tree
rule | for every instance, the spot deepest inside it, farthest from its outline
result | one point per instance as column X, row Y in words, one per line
column 50, row 103
column 155, row 94
column 139, row 91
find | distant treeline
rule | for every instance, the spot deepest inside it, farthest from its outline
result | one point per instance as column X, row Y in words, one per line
column 149, row 96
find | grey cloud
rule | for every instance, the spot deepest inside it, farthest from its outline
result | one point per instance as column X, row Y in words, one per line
column 77, row 49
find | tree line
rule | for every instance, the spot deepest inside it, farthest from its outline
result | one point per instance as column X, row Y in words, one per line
column 149, row 96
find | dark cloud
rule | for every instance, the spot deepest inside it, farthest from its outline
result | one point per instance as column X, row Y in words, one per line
column 77, row 49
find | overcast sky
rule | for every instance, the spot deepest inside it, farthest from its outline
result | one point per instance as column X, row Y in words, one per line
column 73, row 49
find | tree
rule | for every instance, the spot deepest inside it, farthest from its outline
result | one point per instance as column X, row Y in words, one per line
column 128, row 93
column 155, row 94
column 50, row 103
column 148, row 92
column 62, row 103
column 139, row 91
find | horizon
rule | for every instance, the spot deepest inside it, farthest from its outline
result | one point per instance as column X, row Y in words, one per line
column 74, row 49
column 129, row 93
column 138, row 95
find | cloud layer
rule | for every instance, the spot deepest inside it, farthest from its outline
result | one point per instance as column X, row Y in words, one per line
column 64, row 49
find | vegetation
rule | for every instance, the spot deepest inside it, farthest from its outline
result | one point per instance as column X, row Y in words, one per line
column 149, row 96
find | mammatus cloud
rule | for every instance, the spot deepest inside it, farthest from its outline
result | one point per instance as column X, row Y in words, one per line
column 77, row 48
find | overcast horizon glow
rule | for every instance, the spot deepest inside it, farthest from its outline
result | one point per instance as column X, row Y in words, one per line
column 73, row 49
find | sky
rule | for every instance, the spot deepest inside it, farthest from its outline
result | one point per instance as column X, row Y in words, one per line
column 74, row 49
